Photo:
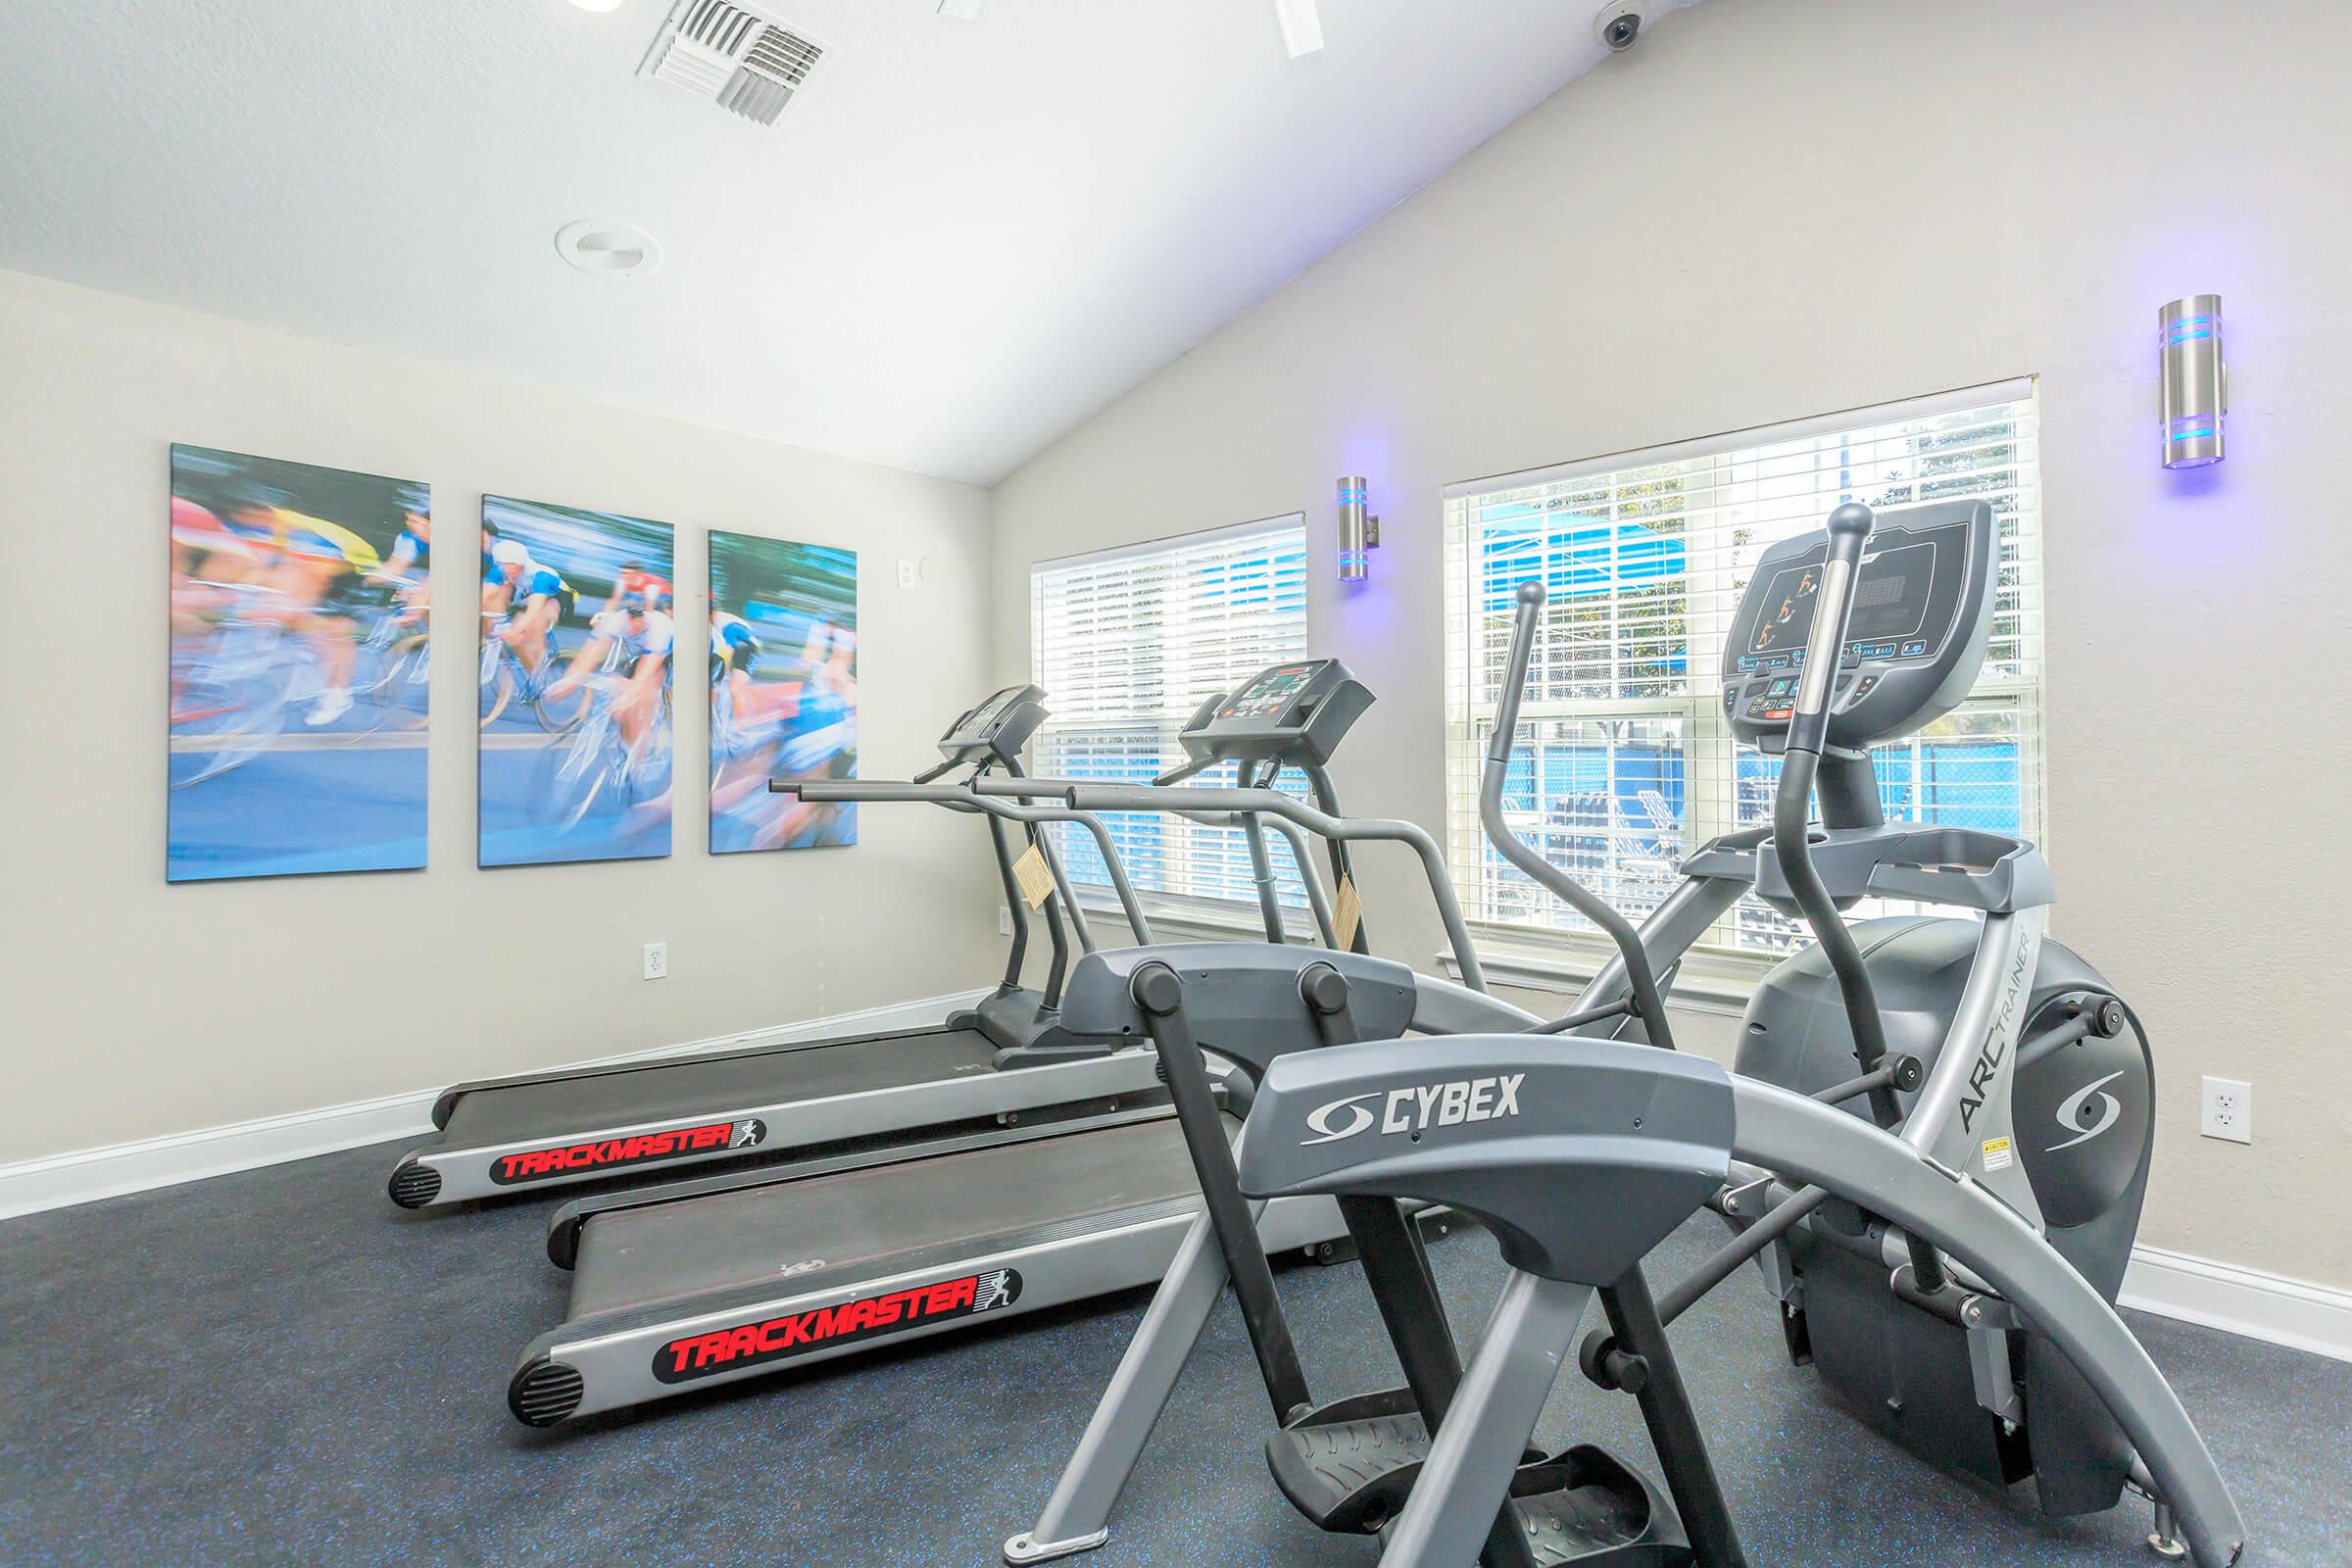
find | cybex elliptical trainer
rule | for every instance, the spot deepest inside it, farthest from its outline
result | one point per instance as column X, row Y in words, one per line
column 1974, row 1303
column 1348, row 1465
column 2048, row 1105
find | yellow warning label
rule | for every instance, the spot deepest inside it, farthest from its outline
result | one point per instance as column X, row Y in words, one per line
column 1998, row 1156
column 1348, row 915
column 1035, row 878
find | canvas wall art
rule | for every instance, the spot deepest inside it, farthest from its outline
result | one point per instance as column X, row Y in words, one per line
column 299, row 691
column 576, row 682
column 783, row 690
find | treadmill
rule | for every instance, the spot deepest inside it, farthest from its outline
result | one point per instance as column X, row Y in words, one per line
column 1007, row 1059
column 698, row 1283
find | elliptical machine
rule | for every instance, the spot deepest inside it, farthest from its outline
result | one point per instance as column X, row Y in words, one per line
column 1348, row 1465
column 2050, row 1105
column 2056, row 1113
column 1611, row 1144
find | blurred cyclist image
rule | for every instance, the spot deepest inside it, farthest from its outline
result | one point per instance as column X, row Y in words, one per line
column 297, row 697
column 783, row 690
column 576, row 677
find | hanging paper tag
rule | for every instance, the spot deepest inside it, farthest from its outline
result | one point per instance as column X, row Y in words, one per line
column 1348, row 915
column 1036, row 880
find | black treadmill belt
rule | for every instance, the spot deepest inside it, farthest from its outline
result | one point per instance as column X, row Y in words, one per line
column 856, row 1221
column 664, row 1091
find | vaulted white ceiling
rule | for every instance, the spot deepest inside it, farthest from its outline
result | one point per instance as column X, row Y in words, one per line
column 958, row 242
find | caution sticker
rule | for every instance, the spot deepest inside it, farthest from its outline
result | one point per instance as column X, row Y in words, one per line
column 1998, row 1155
column 1347, row 915
column 1036, row 880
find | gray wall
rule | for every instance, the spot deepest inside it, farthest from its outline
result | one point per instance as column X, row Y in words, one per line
column 135, row 1009
column 1776, row 207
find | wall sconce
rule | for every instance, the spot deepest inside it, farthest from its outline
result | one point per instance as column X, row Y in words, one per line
column 2196, row 383
column 1359, row 533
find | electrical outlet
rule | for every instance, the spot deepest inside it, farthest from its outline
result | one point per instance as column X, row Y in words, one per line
column 907, row 573
column 1004, row 922
column 657, row 960
column 2227, row 1111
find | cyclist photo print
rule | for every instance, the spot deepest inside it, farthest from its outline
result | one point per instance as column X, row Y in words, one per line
column 298, row 679
column 578, row 644
column 783, row 690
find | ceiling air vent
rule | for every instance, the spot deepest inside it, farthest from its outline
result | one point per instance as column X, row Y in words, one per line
column 733, row 56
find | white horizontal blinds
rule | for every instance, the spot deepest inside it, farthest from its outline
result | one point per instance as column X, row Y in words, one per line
column 1126, row 645
column 1624, row 762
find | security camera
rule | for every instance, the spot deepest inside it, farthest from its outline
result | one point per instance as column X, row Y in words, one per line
column 1620, row 24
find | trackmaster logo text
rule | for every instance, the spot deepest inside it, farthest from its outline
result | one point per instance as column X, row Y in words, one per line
column 795, row 1334
column 606, row 1153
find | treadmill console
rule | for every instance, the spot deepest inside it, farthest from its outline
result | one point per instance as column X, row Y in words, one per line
column 1295, row 712
column 998, row 728
column 1914, row 639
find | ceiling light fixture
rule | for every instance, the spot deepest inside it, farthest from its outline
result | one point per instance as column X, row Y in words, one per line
column 606, row 248
column 1301, row 29
column 960, row 10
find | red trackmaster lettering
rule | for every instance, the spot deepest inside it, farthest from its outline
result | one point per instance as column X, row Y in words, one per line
column 539, row 1164
column 797, row 1332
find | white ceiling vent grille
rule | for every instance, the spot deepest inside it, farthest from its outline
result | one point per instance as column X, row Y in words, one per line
column 733, row 56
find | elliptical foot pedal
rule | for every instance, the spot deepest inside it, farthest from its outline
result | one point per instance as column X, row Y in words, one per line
column 1348, row 1465
column 1589, row 1508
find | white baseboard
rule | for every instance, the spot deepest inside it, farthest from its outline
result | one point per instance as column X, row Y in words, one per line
column 88, row 1174
column 2242, row 1301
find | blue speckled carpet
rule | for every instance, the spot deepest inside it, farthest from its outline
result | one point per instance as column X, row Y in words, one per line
column 277, row 1367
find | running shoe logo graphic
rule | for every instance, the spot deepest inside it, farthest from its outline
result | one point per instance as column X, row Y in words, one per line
column 995, row 1289
column 748, row 1133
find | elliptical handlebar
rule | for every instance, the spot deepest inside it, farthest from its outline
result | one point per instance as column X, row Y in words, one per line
column 1647, row 1005
column 1849, row 529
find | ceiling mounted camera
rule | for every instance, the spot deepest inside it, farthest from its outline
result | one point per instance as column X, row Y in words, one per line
column 1620, row 23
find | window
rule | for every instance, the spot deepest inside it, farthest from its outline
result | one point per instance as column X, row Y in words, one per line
column 1126, row 644
column 1624, row 762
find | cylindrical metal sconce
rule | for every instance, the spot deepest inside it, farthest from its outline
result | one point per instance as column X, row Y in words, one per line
column 2196, row 383
column 1359, row 532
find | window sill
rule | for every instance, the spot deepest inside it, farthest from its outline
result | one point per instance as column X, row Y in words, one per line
column 1189, row 921
column 1708, row 982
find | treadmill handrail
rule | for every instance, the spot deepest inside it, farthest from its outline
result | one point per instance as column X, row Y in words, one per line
column 1318, row 895
column 1273, row 803
column 960, row 798
column 1024, row 789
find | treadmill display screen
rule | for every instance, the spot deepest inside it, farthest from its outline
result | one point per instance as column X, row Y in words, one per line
column 1892, row 599
column 1270, row 693
column 985, row 716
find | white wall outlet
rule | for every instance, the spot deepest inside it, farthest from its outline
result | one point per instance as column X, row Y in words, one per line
column 907, row 573
column 2227, row 1111
column 657, row 960
column 1004, row 922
